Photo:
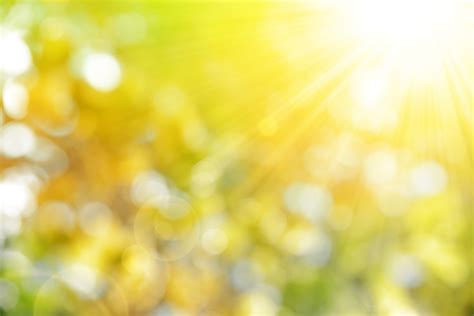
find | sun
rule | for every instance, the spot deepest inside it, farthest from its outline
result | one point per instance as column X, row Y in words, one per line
column 415, row 38
column 406, row 23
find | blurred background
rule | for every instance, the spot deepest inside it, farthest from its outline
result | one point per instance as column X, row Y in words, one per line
column 255, row 158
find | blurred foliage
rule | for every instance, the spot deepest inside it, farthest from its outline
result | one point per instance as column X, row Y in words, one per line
column 209, row 158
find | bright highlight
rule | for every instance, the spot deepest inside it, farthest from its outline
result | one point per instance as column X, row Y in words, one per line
column 406, row 23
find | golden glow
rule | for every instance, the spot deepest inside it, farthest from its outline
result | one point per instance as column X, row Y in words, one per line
column 246, row 158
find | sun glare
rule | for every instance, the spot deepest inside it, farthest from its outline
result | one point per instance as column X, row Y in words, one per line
column 406, row 23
